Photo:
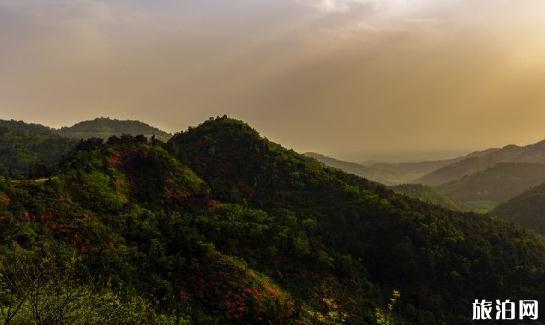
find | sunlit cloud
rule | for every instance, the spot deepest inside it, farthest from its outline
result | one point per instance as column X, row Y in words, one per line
column 342, row 5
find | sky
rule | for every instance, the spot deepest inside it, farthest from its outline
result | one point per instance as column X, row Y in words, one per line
column 355, row 79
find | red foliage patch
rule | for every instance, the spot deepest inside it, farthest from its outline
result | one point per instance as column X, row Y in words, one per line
column 114, row 160
column 4, row 199
column 175, row 194
column 212, row 203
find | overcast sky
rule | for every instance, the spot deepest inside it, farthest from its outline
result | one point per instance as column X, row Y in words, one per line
column 358, row 79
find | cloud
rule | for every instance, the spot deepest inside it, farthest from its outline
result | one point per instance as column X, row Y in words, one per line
column 373, row 73
column 342, row 5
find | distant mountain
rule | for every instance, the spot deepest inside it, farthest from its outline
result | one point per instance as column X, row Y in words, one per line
column 105, row 127
column 382, row 176
column 410, row 171
column 526, row 209
column 481, row 160
column 29, row 149
column 487, row 188
column 427, row 194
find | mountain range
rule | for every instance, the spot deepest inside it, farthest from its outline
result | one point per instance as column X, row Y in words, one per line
column 481, row 160
column 479, row 181
column 220, row 225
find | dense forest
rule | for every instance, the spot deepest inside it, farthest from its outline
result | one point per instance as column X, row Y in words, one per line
column 219, row 225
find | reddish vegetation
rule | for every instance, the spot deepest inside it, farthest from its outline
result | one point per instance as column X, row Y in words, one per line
column 212, row 203
column 4, row 199
column 184, row 295
column 175, row 194
column 114, row 160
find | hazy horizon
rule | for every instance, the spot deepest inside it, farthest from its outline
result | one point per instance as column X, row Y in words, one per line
column 397, row 80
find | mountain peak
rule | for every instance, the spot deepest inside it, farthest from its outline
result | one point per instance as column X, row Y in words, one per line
column 225, row 124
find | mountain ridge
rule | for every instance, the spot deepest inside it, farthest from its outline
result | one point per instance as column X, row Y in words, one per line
column 481, row 160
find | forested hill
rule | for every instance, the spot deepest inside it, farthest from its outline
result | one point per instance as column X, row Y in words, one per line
column 105, row 127
column 220, row 225
column 434, row 257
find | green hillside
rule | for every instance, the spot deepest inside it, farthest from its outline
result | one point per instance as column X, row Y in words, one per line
column 402, row 244
column 222, row 226
column 526, row 209
column 105, row 127
column 429, row 195
column 494, row 185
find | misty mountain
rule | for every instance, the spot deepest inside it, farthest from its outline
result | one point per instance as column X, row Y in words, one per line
column 382, row 176
column 487, row 188
column 411, row 171
column 384, row 173
column 105, row 127
column 481, row 160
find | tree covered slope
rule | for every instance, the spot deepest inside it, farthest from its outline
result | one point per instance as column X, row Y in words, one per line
column 220, row 225
column 436, row 258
